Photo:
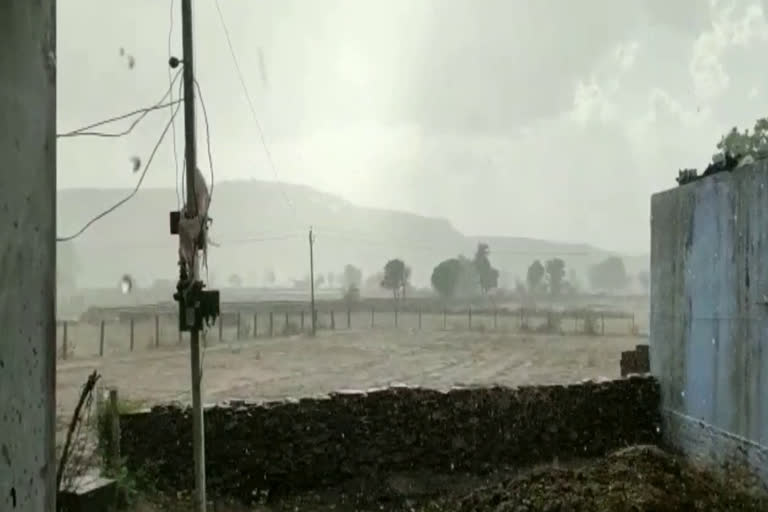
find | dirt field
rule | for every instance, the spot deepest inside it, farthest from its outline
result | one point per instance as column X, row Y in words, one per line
column 275, row 368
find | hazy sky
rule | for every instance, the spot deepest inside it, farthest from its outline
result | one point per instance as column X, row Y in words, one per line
column 555, row 118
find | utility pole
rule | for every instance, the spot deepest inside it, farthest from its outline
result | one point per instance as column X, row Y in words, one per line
column 195, row 305
column 312, row 280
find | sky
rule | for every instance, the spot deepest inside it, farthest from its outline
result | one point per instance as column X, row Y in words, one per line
column 551, row 119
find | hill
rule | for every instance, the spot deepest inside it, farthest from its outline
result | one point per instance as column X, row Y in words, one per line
column 262, row 227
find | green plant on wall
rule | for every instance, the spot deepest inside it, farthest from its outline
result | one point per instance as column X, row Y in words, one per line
column 127, row 483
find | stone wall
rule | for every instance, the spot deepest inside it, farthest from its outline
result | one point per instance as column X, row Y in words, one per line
column 304, row 444
column 635, row 361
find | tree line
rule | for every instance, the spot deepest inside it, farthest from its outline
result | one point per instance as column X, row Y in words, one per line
column 463, row 277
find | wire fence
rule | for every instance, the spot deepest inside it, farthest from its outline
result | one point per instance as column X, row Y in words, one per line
column 129, row 333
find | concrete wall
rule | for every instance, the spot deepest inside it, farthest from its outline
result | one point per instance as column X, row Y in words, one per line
column 27, row 254
column 311, row 443
column 709, row 316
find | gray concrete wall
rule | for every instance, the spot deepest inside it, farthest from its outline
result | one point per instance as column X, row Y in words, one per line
column 27, row 254
column 709, row 317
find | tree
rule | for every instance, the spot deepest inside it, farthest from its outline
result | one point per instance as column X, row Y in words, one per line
column 467, row 285
column 744, row 143
column 644, row 278
column 487, row 275
column 574, row 282
column 353, row 276
column 351, row 295
column 609, row 274
column 396, row 275
column 535, row 277
column 235, row 281
column 445, row 277
column 555, row 269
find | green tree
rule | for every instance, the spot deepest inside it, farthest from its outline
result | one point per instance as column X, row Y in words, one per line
column 445, row 277
column 535, row 277
column 487, row 275
column 609, row 275
column 555, row 269
column 396, row 276
column 744, row 143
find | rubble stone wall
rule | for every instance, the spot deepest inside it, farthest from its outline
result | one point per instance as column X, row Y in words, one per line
column 315, row 442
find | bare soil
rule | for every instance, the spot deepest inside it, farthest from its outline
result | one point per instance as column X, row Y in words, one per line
column 299, row 366
column 636, row 479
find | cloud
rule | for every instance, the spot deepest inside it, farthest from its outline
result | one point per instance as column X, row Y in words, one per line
column 731, row 27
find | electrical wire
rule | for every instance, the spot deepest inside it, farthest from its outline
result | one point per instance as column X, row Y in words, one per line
column 143, row 111
column 173, row 122
column 239, row 71
column 130, row 195
column 250, row 240
column 207, row 140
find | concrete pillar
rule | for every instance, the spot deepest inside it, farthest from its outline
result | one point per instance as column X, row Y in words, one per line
column 28, row 257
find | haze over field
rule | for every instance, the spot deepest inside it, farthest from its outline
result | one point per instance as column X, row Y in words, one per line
column 492, row 118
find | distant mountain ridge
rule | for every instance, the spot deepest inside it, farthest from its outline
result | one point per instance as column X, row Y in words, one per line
column 262, row 226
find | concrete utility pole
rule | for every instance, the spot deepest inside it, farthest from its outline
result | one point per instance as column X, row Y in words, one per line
column 312, row 281
column 198, row 426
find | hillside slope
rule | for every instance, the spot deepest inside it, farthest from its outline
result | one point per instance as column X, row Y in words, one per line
column 262, row 226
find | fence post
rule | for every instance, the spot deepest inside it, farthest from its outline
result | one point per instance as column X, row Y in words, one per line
column 271, row 324
column 101, row 339
column 419, row 313
column 349, row 318
column 114, row 429
column 602, row 324
column 131, row 340
column 255, row 325
column 445, row 319
column 470, row 318
column 64, row 341
column 495, row 318
column 157, row 331
column 238, row 326
column 302, row 320
column 372, row 316
column 333, row 320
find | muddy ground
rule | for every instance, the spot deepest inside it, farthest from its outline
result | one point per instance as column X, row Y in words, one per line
column 636, row 479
